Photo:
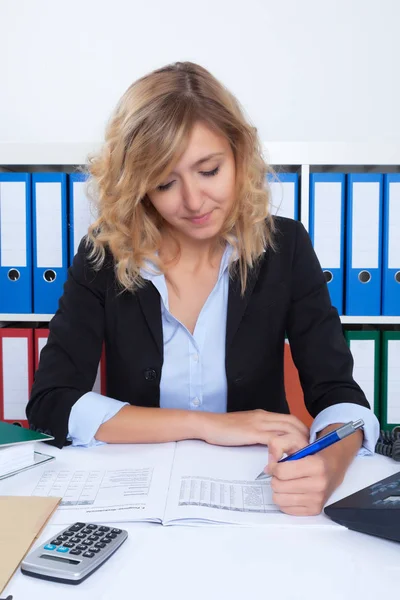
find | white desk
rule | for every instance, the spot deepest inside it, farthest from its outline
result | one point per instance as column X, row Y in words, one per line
column 195, row 563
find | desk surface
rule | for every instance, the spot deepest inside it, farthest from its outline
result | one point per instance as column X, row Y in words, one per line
column 194, row 563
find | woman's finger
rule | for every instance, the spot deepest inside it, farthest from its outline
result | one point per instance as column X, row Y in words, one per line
column 294, row 421
column 280, row 426
column 302, row 485
column 285, row 500
column 285, row 444
column 302, row 511
column 310, row 466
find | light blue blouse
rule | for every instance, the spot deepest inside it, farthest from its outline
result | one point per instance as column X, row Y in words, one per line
column 193, row 375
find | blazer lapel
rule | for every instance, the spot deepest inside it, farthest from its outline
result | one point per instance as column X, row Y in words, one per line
column 150, row 303
column 237, row 303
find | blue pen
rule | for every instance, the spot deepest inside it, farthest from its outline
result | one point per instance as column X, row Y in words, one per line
column 327, row 440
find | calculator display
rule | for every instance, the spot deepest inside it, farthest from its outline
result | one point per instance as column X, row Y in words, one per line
column 70, row 561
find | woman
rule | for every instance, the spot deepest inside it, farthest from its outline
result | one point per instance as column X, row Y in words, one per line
column 192, row 284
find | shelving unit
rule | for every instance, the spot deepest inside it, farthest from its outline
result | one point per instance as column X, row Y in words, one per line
column 301, row 157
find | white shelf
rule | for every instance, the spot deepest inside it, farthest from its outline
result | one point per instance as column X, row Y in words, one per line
column 302, row 154
column 25, row 317
column 332, row 153
column 346, row 320
column 277, row 153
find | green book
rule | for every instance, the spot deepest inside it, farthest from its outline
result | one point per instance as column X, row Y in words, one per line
column 17, row 449
column 390, row 409
column 365, row 347
column 14, row 434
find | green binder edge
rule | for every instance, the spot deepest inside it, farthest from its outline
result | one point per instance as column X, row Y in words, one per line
column 386, row 336
column 13, row 434
column 376, row 337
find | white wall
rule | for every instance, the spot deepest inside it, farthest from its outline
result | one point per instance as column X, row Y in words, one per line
column 306, row 70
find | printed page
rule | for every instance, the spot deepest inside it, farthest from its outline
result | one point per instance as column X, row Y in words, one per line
column 216, row 484
column 112, row 483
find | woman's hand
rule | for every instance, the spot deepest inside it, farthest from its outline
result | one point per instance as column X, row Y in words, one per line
column 302, row 487
column 248, row 427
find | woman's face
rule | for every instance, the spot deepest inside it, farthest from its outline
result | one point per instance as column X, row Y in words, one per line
column 197, row 195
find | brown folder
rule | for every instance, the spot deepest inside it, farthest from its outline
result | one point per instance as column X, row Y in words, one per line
column 22, row 519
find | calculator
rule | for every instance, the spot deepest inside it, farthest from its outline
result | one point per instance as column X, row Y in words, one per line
column 73, row 554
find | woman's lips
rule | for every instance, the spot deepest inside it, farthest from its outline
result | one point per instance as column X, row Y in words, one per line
column 201, row 218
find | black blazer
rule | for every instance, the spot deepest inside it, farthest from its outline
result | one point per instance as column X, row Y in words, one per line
column 286, row 293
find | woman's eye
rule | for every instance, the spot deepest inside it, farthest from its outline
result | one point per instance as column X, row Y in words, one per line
column 210, row 173
column 166, row 186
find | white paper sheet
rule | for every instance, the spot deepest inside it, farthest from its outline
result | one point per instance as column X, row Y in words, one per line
column 15, row 377
column 13, row 224
column 216, row 484
column 115, row 484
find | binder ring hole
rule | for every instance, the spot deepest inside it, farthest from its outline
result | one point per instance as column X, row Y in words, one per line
column 364, row 276
column 328, row 276
column 13, row 274
column 49, row 275
column 397, row 277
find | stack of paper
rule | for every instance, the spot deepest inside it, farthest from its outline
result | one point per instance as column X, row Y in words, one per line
column 17, row 449
column 15, row 457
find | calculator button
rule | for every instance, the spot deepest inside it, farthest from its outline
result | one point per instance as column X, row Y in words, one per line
column 75, row 540
column 80, row 547
column 116, row 530
column 86, row 530
column 75, row 551
column 57, row 542
column 95, row 550
column 49, row 547
column 106, row 540
column 94, row 538
column 111, row 536
column 80, row 535
column 62, row 549
column 91, row 526
column 100, row 545
column 69, row 545
column 88, row 554
column 69, row 533
column 85, row 542
column 77, row 527
column 63, row 538
column 104, row 529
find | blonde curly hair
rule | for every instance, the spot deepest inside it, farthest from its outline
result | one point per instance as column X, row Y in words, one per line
column 145, row 137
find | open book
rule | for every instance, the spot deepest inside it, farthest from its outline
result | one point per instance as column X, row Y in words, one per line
column 188, row 482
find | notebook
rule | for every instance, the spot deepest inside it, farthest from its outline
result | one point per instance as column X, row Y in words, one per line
column 17, row 449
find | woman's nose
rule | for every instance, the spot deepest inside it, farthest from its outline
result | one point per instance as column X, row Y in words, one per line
column 192, row 197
